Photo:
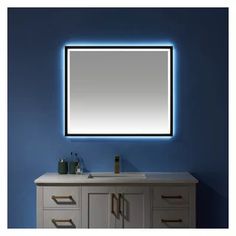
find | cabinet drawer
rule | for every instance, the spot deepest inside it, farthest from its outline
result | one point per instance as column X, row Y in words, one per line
column 61, row 219
column 61, row 197
column 170, row 196
column 171, row 218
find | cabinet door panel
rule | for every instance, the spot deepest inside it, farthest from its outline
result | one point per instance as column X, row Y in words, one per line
column 134, row 207
column 133, row 210
column 98, row 210
column 97, row 207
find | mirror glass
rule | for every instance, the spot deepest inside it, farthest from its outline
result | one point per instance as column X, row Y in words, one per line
column 118, row 91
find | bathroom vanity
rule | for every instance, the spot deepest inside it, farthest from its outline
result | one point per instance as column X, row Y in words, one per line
column 125, row 200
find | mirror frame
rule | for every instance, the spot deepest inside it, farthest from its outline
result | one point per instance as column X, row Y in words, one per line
column 67, row 48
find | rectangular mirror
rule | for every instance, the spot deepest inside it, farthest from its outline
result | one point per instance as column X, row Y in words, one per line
column 118, row 91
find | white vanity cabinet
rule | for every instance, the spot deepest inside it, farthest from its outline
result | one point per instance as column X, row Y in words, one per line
column 161, row 200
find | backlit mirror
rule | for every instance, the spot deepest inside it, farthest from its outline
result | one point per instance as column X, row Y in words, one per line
column 118, row 91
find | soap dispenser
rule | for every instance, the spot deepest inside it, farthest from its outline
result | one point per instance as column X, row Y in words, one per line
column 74, row 164
column 62, row 167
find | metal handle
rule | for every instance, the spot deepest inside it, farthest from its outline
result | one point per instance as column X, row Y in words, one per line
column 114, row 212
column 171, row 221
column 70, row 225
column 119, row 203
column 70, row 198
column 171, row 197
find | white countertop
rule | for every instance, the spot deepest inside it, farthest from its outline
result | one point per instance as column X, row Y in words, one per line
column 150, row 177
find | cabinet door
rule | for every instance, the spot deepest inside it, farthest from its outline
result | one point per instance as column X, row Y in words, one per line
column 134, row 207
column 99, row 205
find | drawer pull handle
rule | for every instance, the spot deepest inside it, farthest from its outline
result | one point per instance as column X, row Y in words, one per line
column 114, row 212
column 120, row 203
column 59, row 200
column 171, row 221
column 171, row 197
column 66, row 226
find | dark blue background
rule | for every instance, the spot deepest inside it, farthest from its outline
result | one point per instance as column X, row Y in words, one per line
column 200, row 37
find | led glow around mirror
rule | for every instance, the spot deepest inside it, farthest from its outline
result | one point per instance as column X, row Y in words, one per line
column 118, row 91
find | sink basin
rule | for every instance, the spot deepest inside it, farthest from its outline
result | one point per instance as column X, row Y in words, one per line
column 120, row 175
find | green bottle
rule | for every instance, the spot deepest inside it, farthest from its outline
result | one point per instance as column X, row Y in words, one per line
column 62, row 167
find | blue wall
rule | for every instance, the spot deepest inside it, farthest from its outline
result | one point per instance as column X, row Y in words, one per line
column 200, row 36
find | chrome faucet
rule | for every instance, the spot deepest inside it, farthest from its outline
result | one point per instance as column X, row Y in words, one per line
column 117, row 165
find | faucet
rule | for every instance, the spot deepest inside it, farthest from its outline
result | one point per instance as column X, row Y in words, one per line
column 117, row 165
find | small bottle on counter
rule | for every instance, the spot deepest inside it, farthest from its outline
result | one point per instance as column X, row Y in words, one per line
column 80, row 167
column 62, row 167
column 73, row 165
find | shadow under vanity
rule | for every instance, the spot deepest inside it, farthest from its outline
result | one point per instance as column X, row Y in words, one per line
column 108, row 200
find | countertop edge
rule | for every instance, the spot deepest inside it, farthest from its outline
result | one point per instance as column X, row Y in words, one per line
column 152, row 178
